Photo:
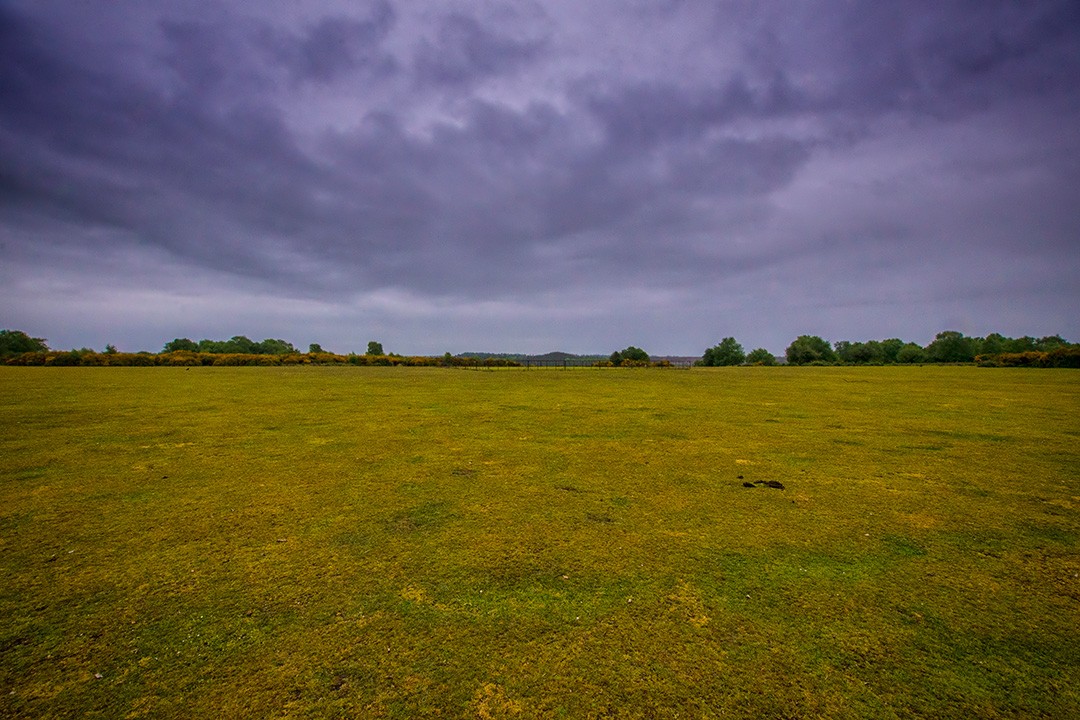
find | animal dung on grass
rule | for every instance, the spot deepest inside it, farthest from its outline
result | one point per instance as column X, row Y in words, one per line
column 767, row 483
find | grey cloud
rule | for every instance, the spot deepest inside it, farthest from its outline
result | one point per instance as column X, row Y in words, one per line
column 244, row 58
column 937, row 59
column 639, row 115
column 504, row 181
column 335, row 46
column 211, row 62
column 464, row 52
column 192, row 178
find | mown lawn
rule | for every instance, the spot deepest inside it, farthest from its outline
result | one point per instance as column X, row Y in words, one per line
column 381, row 542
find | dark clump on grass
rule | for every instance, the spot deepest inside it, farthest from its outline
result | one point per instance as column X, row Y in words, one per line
column 767, row 483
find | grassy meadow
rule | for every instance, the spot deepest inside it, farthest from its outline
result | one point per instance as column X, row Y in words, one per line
column 345, row 542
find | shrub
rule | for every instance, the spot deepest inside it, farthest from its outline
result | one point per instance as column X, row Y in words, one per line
column 64, row 359
column 760, row 356
column 1065, row 357
column 1061, row 357
column 180, row 358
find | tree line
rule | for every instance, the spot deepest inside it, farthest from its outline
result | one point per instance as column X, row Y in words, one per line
column 18, row 348
column 948, row 346
column 241, row 345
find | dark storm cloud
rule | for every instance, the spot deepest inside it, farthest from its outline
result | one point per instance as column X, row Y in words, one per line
column 204, row 166
column 933, row 58
column 481, row 155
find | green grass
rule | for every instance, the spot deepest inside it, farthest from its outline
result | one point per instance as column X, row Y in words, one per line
column 402, row 543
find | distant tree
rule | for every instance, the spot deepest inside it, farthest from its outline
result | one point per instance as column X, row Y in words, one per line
column 859, row 353
column 315, row 348
column 375, row 348
column 760, row 356
column 809, row 348
column 110, row 349
column 992, row 344
column 911, row 353
column 15, row 342
column 180, row 344
column 239, row 344
column 951, row 346
column 635, row 354
column 273, row 346
column 615, row 358
column 869, row 352
column 728, row 352
column 1020, row 344
column 890, row 348
column 1051, row 342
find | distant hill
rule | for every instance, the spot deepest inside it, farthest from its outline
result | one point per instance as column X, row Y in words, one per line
column 486, row 355
column 556, row 357
column 546, row 358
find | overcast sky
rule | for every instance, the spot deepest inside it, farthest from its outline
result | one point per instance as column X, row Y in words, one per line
column 535, row 176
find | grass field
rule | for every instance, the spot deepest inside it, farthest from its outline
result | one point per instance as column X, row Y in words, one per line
column 405, row 543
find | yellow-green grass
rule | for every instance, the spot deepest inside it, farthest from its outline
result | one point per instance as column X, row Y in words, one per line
column 382, row 542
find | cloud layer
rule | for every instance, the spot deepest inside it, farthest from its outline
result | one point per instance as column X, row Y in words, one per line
column 539, row 176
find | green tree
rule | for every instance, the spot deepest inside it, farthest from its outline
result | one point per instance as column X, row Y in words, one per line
column 15, row 342
column 631, row 355
column 615, row 358
column 890, row 348
column 180, row 344
column 375, row 348
column 911, row 353
column 1020, row 344
column 110, row 349
column 760, row 356
column 273, row 346
column 870, row 352
column 860, row 353
column 951, row 346
column 315, row 348
column 728, row 352
column 240, row 344
column 1051, row 342
column 809, row 348
column 992, row 344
